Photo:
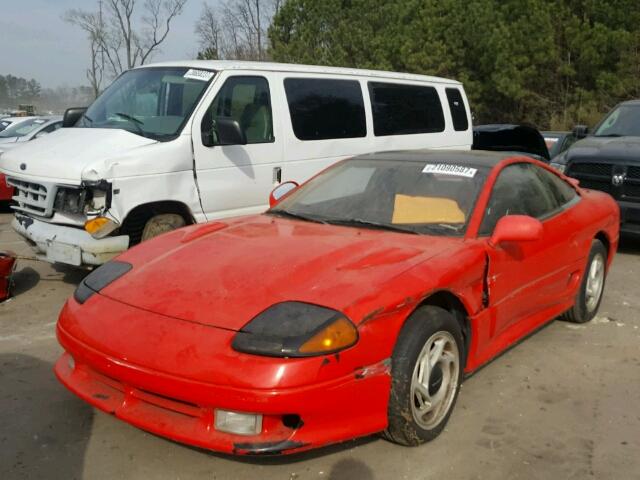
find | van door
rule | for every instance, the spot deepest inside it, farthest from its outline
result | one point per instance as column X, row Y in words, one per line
column 237, row 179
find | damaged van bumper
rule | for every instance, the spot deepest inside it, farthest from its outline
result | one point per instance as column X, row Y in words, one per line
column 65, row 244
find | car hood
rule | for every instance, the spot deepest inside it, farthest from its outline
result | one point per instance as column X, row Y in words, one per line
column 72, row 154
column 8, row 140
column 235, row 270
column 605, row 148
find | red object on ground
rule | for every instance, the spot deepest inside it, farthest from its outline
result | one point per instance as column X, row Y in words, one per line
column 154, row 346
column 6, row 192
column 7, row 264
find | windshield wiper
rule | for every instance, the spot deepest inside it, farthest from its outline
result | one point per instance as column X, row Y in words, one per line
column 297, row 216
column 129, row 117
column 610, row 135
column 357, row 222
column 87, row 117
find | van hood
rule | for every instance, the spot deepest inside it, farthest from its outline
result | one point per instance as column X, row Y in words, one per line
column 72, row 154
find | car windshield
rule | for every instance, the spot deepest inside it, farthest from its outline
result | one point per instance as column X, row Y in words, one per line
column 621, row 122
column 20, row 129
column 151, row 102
column 408, row 196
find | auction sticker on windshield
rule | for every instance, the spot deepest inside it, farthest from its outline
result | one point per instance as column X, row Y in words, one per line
column 195, row 74
column 448, row 169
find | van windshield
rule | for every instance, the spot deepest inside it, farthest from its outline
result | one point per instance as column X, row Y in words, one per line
column 152, row 102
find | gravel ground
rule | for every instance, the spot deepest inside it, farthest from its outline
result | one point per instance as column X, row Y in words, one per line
column 564, row 404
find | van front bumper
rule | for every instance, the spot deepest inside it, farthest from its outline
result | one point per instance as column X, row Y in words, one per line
column 68, row 245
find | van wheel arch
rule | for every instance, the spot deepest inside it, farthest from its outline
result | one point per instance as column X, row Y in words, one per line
column 136, row 220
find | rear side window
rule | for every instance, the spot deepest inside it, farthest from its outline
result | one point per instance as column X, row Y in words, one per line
column 405, row 109
column 457, row 108
column 563, row 192
column 518, row 191
column 323, row 109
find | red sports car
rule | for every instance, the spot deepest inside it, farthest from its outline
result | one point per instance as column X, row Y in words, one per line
column 355, row 305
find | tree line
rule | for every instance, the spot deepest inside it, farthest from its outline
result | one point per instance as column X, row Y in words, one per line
column 552, row 63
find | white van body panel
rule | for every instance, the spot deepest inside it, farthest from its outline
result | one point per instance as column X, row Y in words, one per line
column 209, row 182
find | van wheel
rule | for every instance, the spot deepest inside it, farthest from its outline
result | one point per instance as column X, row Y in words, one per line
column 590, row 293
column 426, row 371
column 163, row 223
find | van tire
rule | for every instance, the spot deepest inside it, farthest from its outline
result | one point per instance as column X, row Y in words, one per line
column 163, row 223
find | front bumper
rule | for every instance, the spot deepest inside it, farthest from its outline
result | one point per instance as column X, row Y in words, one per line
column 173, row 388
column 65, row 244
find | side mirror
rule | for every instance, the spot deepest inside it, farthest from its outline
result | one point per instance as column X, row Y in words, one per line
column 229, row 132
column 580, row 131
column 516, row 228
column 280, row 192
column 72, row 115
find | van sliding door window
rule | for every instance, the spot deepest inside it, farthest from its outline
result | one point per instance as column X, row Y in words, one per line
column 458, row 111
column 323, row 109
column 247, row 101
column 405, row 109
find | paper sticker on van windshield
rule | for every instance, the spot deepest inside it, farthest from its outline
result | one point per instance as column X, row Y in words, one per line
column 447, row 169
column 202, row 75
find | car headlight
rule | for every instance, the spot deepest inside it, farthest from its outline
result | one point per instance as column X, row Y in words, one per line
column 100, row 278
column 296, row 329
column 561, row 167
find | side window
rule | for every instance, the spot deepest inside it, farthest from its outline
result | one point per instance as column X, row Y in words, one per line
column 518, row 191
column 405, row 109
column 323, row 109
column 247, row 101
column 561, row 190
column 458, row 111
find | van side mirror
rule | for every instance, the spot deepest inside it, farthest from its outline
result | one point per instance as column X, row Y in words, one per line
column 280, row 192
column 229, row 132
column 72, row 115
column 580, row 131
column 516, row 228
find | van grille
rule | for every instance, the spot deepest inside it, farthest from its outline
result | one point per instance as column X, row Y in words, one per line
column 34, row 198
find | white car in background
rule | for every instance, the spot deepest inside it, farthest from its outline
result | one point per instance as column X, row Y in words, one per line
column 24, row 129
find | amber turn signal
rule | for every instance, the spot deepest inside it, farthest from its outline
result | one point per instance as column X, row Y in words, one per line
column 335, row 336
column 100, row 226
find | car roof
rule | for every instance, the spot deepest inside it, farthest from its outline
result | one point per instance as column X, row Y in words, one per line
column 296, row 68
column 635, row 102
column 472, row 158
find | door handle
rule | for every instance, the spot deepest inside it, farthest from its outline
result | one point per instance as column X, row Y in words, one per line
column 277, row 174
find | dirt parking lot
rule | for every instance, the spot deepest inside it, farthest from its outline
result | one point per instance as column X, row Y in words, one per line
column 564, row 404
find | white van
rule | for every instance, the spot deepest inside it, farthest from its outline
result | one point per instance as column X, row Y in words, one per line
column 176, row 143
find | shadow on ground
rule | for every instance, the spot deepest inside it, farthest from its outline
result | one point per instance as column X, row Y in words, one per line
column 44, row 430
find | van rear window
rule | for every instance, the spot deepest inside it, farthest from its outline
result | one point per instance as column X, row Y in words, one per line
column 323, row 109
column 458, row 111
column 405, row 109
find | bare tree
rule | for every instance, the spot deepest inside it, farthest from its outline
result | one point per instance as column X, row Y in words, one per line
column 209, row 34
column 115, row 33
column 93, row 24
column 240, row 30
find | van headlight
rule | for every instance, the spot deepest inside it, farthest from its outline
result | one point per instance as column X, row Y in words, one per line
column 296, row 329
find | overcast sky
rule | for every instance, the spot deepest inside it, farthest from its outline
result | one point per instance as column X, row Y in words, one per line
column 36, row 43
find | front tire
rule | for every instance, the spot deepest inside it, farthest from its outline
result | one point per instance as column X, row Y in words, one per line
column 162, row 223
column 426, row 375
column 590, row 293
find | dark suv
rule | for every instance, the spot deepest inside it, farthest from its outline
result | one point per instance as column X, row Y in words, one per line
column 609, row 160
